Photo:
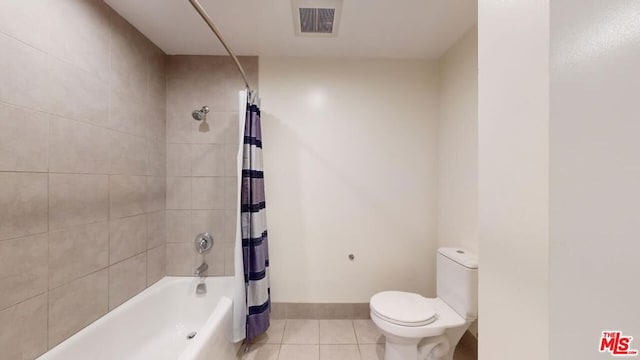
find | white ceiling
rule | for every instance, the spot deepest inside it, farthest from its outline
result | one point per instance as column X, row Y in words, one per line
column 368, row 28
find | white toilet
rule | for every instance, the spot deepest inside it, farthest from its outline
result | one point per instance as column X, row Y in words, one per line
column 416, row 327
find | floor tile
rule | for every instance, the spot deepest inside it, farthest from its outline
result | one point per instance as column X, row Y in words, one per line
column 337, row 332
column 300, row 339
column 367, row 332
column 372, row 351
column 273, row 335
column 339, row 352
column 299, row 352
column 262, row 352
column 301, row 332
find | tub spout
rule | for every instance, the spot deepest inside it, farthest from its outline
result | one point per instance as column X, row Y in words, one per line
column 201, row 288
column 201, row 269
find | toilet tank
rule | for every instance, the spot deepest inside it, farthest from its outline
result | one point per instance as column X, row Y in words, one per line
column 457, row 284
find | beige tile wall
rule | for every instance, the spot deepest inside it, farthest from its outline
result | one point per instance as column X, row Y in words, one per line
column 201, row 169
column 82, row 169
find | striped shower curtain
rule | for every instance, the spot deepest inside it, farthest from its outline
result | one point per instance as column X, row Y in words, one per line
column 254, row 228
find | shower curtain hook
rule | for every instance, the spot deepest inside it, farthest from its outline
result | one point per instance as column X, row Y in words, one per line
column 252, row 96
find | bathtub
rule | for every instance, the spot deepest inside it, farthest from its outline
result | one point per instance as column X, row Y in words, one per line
column 156, row 324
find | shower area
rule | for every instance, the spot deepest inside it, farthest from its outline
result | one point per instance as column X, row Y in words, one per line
column 202, row 170
column 202, row 161
column 113, row 158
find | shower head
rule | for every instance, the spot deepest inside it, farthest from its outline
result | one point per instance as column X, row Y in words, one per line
column 201, row 114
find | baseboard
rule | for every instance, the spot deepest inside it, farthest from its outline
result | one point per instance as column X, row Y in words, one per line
column 320, row 310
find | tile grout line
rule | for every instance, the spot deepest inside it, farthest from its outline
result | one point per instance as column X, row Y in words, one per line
column 80, row 278
column 24, row 236
column 25, row 300
column 109, row 120
column 48, row 330
column 48, row 231
column 85, row 122
column 54, row 56
column 355, row 335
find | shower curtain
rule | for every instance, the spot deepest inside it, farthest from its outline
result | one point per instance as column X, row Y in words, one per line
column 255, row 249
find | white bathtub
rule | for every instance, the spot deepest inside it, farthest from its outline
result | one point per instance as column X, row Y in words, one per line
column 155, row 323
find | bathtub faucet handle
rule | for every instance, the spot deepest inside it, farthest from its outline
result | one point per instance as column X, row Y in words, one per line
column 204, row 243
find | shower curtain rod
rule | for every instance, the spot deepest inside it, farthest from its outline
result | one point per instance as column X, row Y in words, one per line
column 212, row 26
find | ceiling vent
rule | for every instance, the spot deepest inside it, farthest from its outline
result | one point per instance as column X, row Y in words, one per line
column 316, row 17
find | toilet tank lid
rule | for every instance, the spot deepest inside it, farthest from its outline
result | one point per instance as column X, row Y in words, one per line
column 461, row 256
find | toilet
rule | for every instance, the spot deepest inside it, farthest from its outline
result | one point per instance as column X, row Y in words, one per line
column 422, row 328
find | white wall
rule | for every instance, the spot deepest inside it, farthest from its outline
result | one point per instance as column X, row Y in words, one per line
column 595, row 175
column 513, row 57
column 458, row 144
column 350, row 168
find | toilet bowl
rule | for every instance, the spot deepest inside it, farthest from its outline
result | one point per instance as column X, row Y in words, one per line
column 414, row 326
column 419, row 328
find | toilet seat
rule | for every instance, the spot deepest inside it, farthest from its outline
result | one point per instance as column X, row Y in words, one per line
column 403, row 308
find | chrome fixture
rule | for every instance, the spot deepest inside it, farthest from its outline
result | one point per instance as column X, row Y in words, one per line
column 201, row 288
column 201, row 269
column 204, row 243
column 201, row 114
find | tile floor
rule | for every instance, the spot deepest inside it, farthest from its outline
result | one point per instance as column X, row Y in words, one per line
column 323, row 340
